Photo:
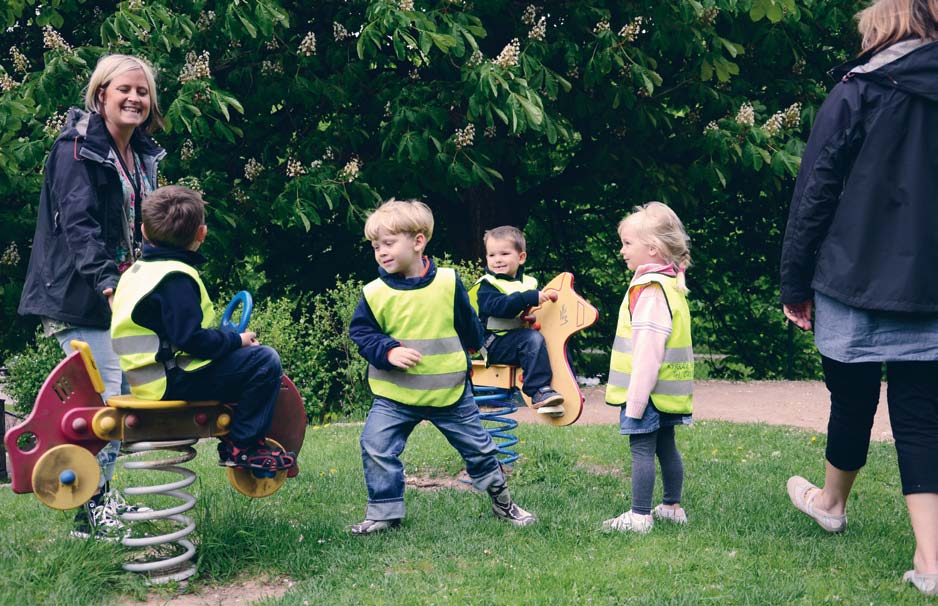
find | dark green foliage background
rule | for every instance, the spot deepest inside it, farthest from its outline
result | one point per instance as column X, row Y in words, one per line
column 587, row 124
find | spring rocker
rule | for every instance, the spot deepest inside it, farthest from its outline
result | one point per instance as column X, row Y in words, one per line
column 52, row 452
column 498, row 386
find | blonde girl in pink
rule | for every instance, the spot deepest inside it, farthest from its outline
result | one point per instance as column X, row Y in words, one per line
column 651, row 374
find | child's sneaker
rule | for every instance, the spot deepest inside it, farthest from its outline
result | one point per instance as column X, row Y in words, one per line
column 258, row 457
column 630, row 522
column 672, row 514
column 547, row 400
column 505, row 508
column 374, row 526
column 513, row 514
column 96, row 520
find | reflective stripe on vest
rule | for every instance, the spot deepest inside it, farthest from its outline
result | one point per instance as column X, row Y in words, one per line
column 674, row 389
column 507, row 287
column 422, row 319
column 138, row 346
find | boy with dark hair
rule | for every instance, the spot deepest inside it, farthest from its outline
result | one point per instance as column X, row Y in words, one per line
column 414, row 325
column 163, row 330
column 502, row 297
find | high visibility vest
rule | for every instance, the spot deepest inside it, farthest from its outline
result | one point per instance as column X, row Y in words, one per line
column 136, row 345
column 502, row 325
column 422, row 319
column 674, row 391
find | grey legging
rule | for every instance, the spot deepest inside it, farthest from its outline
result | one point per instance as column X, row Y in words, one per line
column 644, row 446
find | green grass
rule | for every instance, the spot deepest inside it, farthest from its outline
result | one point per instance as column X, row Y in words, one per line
column 745, row 544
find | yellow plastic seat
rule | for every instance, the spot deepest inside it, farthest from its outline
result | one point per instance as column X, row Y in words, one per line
column 128, row 401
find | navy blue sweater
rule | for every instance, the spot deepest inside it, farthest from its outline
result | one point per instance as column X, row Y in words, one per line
column 495, row 303
column 374, row 345
column 174, row 311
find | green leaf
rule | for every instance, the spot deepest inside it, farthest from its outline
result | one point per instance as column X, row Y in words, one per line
column 719, row 175
column 774, row 12
column 535, row 115
column 783, row 163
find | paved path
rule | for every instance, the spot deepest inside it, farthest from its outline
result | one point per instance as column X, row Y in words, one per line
column 804, row 404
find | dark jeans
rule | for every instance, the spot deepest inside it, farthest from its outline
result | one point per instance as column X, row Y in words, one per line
column 912, row 393
column 249, row 376
column 523, row 347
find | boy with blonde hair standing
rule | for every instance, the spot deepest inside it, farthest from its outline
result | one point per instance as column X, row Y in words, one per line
column 414, row 325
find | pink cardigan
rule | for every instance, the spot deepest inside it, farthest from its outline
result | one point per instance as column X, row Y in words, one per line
column 651, row 326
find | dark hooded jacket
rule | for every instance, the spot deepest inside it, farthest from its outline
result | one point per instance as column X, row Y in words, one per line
column 80, row 223
column 863, row 223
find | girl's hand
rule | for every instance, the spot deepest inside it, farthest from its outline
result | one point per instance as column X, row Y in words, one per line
column 404, row 357
column 249, row 339
column 799, row 314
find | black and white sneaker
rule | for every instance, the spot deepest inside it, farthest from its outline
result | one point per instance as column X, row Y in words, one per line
column 98, row 520
column 373, row 526
column 503, row 507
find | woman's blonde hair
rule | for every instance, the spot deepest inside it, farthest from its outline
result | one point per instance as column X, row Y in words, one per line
column 111, row 66
column 886, row 22
column 657, row 225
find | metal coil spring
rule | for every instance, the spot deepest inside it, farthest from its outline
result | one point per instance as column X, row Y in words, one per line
column 502, row 404
column 180, row 567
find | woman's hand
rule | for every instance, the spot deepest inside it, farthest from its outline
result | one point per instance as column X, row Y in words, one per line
column 799, row 313
column 249, row 339
column 109, row 294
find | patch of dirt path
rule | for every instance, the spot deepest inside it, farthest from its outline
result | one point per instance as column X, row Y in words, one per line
column 804, row 404
column 244, row 593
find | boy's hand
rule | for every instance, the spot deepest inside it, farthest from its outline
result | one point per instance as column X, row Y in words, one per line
column 544, row 296
column 404, row 357
column 249, row 339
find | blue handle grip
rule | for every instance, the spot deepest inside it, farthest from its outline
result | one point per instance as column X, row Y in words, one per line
column 247, row 306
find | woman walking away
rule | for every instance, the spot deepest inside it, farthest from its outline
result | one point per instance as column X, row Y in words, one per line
column 860, row 250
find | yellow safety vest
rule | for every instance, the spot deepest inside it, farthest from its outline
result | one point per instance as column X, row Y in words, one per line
column 502, row 325
column 674, row 391
column 136, row 345
column 422, row 319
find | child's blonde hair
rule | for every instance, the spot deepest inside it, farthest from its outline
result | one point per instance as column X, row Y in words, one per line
column 410, row 217
column 657, row 225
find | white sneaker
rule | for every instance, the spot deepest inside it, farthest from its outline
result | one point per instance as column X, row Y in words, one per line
column 676, row 515
column 630, row 522
column 512, row 513
column 373, row 526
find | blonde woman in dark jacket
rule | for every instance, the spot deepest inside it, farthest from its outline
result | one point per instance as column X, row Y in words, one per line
column 860, row 250
column 101, row 166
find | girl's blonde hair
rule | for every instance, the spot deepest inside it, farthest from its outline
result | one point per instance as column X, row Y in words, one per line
column 886, row 22
column 657, row 225
column 111, row 66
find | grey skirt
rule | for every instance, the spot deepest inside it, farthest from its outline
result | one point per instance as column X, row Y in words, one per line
column 850, row 334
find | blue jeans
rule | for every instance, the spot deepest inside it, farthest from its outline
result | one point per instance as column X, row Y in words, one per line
column 523, row 347
column 115, row 383
column 250, row 376
column 385, row 434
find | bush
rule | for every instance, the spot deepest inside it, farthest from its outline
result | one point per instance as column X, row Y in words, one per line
column 28, row 370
